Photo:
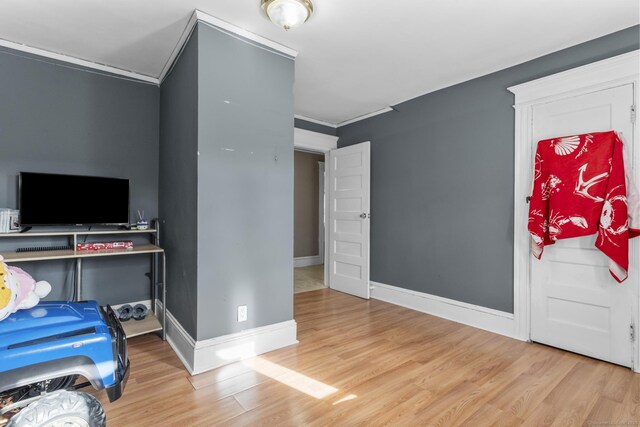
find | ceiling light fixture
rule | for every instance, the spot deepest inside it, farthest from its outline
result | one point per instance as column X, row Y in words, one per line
column 287, row 13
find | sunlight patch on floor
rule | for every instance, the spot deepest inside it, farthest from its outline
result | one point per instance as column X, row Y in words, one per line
column 288, row 377
column 345, row 399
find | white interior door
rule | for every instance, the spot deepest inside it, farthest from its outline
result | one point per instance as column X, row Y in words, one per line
column 575, row 303
column 349, row 194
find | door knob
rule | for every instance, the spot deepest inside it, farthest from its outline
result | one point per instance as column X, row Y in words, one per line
column 363, row 215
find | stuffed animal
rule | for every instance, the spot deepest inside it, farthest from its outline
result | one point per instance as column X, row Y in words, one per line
column 18, row 290
column 8, row 290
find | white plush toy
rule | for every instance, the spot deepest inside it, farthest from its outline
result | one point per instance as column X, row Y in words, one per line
column 18, row 290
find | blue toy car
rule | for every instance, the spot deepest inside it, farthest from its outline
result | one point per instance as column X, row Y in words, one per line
column 43, row 350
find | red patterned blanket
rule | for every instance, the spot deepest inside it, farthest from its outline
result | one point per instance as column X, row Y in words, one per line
column 579, row 189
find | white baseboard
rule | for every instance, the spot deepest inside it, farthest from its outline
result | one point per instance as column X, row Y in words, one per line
column 496, row 321
column 178, row 338
column 181, row 342
column 202, row 356
column 215, row 352
column 305, row 261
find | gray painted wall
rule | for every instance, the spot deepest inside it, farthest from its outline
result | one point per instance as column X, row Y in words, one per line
column 245, row 184
column 442, row 181
column 60, row 119
column 306, row 203
column 179, row 184
column 314, row 127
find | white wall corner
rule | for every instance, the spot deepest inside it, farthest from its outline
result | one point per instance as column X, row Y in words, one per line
column 202, row 356
column 491, row 320
column 313, row 141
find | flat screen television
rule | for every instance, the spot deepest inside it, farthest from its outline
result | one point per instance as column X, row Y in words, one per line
column 51, row 199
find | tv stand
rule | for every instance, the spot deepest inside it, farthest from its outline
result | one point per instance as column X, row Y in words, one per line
column 132, row 328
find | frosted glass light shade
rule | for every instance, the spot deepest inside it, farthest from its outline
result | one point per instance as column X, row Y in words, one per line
column 287, row 13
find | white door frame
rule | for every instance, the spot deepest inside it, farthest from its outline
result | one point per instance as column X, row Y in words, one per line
column 321, row 209
column 320, row 143
column 608, row 73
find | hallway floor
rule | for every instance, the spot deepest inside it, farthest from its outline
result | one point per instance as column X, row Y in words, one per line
column 307, row 279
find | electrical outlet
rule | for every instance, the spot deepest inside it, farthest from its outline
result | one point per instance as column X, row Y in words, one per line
column 242, row 313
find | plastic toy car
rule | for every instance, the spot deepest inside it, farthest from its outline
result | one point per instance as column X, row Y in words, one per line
column 43, row 350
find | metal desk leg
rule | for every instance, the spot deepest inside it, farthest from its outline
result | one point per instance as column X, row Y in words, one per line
column 154, row 282
column 77, row 292
column 164, row 296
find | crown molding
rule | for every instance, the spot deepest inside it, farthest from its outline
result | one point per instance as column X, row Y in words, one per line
column 245, row 34
column 346, row 122
column 197, row 16
column 365, row 116
column 228, row 28
column 77, row 61
column 177, row 49
column 318, row 122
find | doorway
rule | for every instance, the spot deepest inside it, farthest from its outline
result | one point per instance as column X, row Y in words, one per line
column 343, row 214
column 309, row 221
column 575, row 304
column 567, row 300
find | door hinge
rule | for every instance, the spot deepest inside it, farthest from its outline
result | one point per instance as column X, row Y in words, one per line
column 633, row 114
column 632, row 332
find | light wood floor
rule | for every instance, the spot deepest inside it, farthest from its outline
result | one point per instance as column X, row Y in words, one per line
column 372, row 363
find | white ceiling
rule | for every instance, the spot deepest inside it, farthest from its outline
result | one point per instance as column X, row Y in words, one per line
column 355, row 56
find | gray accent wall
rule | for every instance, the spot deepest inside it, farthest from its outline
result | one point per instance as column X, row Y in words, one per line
column 179, row 184
column 245, row 184
column 442, row 180
column 315, row 127
column 226, row 186
column 59, row 118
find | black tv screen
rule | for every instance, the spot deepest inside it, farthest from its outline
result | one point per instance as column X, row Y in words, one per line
column 50, row 199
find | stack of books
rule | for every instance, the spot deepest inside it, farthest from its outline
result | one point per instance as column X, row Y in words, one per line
column 9, row 222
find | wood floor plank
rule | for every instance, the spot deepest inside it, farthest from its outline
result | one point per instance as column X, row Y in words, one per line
column 231, row 386
column 487, row 415
column 371, row 363
column 603, row 411
column 218, row 375
column 631, row 403
column 403, row 414
column 571, row 401
column 618, row 385
column 526, row 392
